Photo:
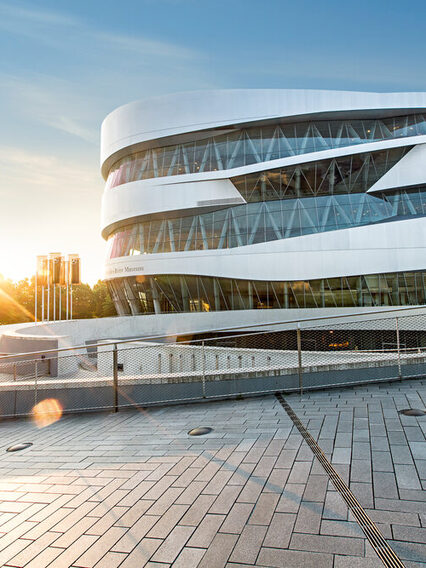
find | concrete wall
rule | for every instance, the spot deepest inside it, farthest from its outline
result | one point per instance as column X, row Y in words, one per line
column 24, row 338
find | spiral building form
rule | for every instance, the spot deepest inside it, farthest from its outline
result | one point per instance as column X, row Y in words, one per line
column 241, row 200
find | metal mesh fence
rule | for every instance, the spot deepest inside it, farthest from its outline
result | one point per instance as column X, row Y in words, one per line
column 296, row 357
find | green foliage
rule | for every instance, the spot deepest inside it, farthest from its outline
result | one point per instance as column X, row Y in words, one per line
column 17, row 301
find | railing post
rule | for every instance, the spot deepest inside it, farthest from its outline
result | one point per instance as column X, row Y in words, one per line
column 398, row 347
column 35, row 381
column 203, row 358
column 299, row 358
column 15, row 394
column 115, row 376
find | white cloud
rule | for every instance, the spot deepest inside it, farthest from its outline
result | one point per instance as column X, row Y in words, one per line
column 36, row 172
column 101, row 69
column 69, row 33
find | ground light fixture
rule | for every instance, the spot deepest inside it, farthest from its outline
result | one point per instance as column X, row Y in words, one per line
column 18, row 447
column 412, row 412
column 200, row 431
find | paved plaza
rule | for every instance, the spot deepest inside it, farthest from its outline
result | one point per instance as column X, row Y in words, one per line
column 134, row 489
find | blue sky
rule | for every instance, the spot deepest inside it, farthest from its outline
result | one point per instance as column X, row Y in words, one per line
column 65, row 65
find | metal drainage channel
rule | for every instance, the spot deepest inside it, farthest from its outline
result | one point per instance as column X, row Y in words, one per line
column 374, row 536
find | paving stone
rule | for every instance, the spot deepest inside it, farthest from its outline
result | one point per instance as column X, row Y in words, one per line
column 409, row 550
column 278, row 558
column 173, row 544
column 76, row 531
column 409, row 534
column 406, row 477
column 32, row 549
column 111, row 560
column 45, row 558
column 99, row 548
column 309, row 517
column 206, row 530
column 264, row 509
column 242, row 474
column 341, row 528
column 290, row 498
column 382, row 461
column 351, row 562
column 343, row 440
column 379, row 444
column 385, row 485
column 299, row 472
column 414, row 434
column 197, row 510
column 361, row 471
column 226, row 499
column 396, row 438
column 276, row 481
column 394, row 517
column 361, row 450
column 342, row 455
column 401, row 455
column 237, row 518
column 418, row 449
column 363, row 493
column 280, row 530
column 189, row 558
column 329, row 544
column 141, row 554
column 403, row 505
column 219, row 551
column 12, row 549
column 215, row 486
column 251, row 490
column 70, row 555
column 334, row 506
column 248, row 544
column 316, row 488
column 139, row 530
column 412, row 495
column 134, row 513
column 286, row 459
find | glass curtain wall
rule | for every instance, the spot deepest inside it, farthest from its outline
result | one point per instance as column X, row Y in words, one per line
column 256, row 144
column 177, row 293
column 262, row 222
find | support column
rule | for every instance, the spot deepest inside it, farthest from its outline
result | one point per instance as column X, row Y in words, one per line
column 216, row 295
column 184, row 293
column 155, row 299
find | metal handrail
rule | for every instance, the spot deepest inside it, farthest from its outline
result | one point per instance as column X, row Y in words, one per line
column 199, row 332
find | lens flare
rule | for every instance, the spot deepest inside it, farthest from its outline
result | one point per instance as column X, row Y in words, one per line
column 47, row 412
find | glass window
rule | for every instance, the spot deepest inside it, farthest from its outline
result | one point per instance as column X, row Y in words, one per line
column 173, row 293
column 258, row 144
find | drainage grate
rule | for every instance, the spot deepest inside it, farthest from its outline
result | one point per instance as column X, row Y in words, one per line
column 200, row 431
column 412, row 412
column 374, row 536
column 18, row 447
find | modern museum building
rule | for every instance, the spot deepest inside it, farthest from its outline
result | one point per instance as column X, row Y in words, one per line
column 303, row 201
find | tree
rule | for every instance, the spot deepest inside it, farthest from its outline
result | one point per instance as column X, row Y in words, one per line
column 104, row 304
column 17, row 301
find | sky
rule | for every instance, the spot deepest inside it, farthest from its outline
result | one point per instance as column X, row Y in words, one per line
column 65, row 65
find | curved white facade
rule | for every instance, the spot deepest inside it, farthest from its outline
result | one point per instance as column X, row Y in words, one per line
column 239, row 200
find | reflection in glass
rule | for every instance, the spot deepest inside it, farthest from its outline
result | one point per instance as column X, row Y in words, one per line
column 262, row 222
column 258, row 144
column 177, row 293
